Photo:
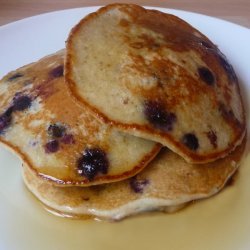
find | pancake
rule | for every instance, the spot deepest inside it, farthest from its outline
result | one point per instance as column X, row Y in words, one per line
column 57, row 138
column 154, row 76
column 168, row 183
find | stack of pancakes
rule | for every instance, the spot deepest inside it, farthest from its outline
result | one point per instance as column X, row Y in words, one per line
column 140, row 112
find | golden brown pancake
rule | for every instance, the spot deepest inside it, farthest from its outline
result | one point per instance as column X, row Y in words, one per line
column 58, row 139
column 153, row 75
column 167, row 183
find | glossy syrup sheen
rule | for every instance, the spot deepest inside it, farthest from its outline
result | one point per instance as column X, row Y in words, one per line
column 221, row 222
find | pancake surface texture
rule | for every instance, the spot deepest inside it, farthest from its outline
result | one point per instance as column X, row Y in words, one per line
column 154, row 76
column 167, row 184
column 57, row 138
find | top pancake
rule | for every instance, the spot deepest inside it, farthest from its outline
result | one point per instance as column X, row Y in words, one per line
column 155, row 76
column 57, row 138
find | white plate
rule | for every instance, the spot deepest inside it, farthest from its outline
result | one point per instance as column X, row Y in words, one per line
column 222, row 222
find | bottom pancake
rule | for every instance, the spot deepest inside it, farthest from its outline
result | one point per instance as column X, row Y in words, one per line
column 168, row 183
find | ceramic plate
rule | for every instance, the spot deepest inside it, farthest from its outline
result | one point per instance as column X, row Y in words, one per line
column 221, row 222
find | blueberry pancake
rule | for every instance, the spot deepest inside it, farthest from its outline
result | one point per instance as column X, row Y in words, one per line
column 154, row 76
column 167, row 183
column 58, row 139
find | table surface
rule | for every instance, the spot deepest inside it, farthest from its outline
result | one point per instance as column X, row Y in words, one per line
column 236, row 11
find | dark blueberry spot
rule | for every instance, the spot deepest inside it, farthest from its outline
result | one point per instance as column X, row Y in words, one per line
column 5, row 119
column 231, row 181
column 4, row 122
column 92, row 162
column 227, row 66
column 9, row 111
column 52, row 146
column 21, row 103
column 138, row 185
column 191, row 141
column 33, row 143
column 207, row 45
column 15, row 76
column 157, row 115
column 206, row 75
column 212, row 138
column 57, row 72
column 56, row 130
column 68, row 139
column 86, row 198
column 228, row 115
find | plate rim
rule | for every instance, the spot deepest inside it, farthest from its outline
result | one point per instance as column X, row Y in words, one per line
column 29, row 18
